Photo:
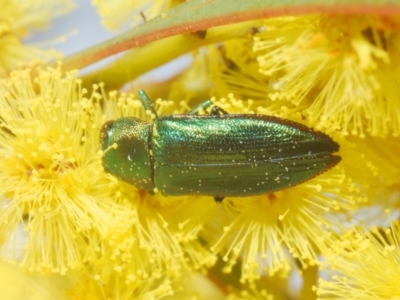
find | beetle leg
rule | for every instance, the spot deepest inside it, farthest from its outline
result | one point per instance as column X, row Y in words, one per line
column 148, row 105
column 216, row 111
column 218, row 199
column 202, row 106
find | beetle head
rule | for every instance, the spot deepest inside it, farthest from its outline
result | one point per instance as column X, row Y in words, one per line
column 125, row 143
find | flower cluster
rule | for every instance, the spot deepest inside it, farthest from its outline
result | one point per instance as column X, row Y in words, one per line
column 17, row 21
column 70, row 230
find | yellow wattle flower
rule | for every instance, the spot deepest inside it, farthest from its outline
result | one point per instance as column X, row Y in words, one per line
column 374, row 161
column 73, row 213
column 363, row 265
column 118, row 13
column 52, row 179
column 267, row 232
column 19, row 19
column 235, row 70
column 17, row 284
column 339, row 67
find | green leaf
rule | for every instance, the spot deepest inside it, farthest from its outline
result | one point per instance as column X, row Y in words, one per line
column 196, row 15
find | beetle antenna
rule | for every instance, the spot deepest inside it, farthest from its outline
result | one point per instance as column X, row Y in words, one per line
column 148, row 105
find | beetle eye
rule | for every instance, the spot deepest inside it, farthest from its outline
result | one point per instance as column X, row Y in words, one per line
column 106, row 134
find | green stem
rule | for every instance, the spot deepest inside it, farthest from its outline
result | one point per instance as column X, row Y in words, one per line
column 140, row 60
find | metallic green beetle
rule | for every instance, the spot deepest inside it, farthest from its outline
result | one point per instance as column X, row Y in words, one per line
column 217, row 154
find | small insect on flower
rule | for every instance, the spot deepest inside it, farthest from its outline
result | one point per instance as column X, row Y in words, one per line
column 217, row 154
